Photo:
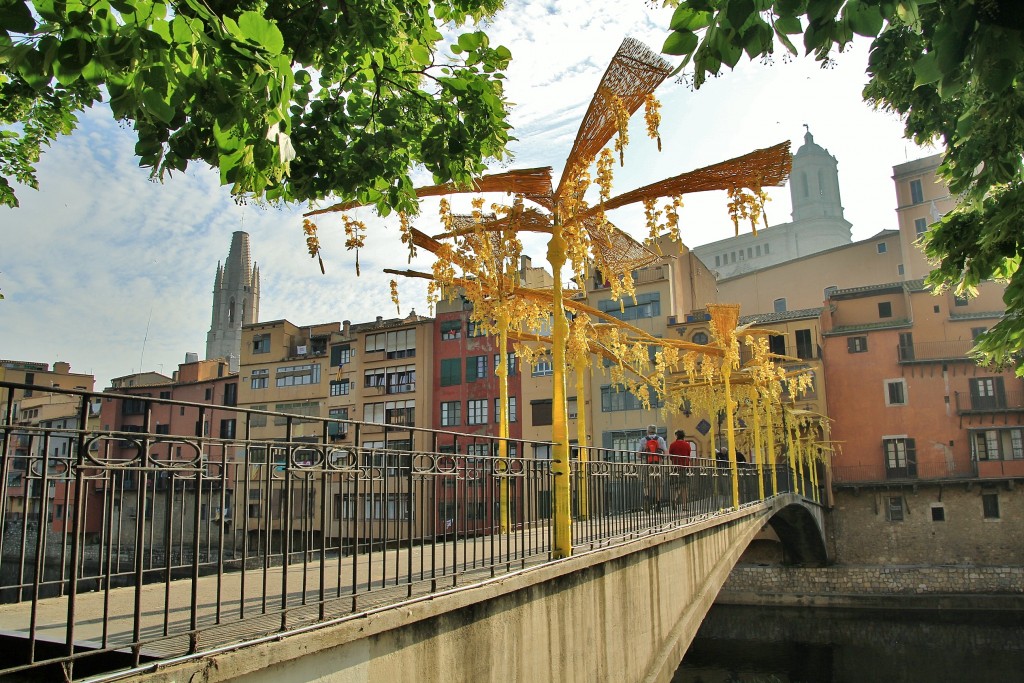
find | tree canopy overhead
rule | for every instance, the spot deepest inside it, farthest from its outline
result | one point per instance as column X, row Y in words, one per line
column 953, row 69
column 290, row 100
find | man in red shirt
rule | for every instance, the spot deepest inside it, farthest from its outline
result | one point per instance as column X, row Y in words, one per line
column 679, row 452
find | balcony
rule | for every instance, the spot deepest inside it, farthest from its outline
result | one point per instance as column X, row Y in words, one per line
column 957, row 350
column 999, row 402
column 912, row 471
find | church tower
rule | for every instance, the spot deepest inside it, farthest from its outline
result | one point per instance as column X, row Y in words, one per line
column 236, row 300
column 814, row 191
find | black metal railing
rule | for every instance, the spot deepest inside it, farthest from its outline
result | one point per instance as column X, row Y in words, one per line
column 918, row 352
column 126, row 545
column 997, row 401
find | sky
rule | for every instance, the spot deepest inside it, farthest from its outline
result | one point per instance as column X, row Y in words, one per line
column 113, row 272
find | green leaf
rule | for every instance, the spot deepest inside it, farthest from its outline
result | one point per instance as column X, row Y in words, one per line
column 16, row 18
column 420, row 55
column 999, row 75
column 864, row 19
column 155, row 105
column 738, row 11
column 688, row 19
column 926, row 70
column 680, row 43
column 259, row 30
column 788, row 25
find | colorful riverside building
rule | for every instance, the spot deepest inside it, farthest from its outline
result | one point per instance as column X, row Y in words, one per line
column 211, row 387
column 43, row 409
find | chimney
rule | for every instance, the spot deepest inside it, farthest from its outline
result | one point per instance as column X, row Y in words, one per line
column 380, row 319
column 61, row 368
column 191, row 357
column 232, row 363
column 346, row 328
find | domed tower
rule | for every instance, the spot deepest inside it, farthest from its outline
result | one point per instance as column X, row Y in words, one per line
column 236, row 300
column 814, row 190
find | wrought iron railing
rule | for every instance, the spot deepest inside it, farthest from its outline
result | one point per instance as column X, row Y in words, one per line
column 997, row 401
column 141, row 542
column 953, row 349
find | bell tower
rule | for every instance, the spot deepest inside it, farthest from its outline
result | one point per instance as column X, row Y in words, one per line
column 236, row 300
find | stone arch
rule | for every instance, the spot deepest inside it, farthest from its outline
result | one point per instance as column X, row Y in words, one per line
column 801, row 535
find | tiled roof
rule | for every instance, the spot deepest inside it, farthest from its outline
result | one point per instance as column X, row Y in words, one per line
column 979, row 315
column 868, row 327
column 912, row 285
column 781, row 316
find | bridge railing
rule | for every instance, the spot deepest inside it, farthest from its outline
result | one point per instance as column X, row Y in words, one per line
column 131, row 534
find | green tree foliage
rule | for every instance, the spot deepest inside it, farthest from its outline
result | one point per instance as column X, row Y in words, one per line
column 954, row 70
column 291, row 100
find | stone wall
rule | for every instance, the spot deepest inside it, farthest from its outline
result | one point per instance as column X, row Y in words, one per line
column 940, row 525
column 875, row 580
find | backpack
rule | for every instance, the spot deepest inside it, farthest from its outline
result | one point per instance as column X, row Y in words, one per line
column 652, row 445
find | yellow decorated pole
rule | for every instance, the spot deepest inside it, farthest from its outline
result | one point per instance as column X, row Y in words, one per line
column 757, row 445
column 503, row 464
column 581, row 438
column 559, row 418
column 723, row 319
column 770, row 413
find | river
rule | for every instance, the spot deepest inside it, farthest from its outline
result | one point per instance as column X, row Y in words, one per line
column 739, row 644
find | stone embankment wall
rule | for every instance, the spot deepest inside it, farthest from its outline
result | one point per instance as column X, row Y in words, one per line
column 926, row 587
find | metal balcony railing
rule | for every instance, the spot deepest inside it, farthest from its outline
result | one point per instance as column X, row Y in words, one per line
column 181, row 544
column 998, row 402
column 925, row 352
column 908, row 471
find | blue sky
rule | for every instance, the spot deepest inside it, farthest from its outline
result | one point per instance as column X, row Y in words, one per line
column 113, row 273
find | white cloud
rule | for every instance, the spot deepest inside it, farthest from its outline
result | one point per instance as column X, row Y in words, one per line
column 101, row 252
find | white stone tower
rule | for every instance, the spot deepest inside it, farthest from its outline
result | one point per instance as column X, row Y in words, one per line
column 236, row 300
column 814, row 190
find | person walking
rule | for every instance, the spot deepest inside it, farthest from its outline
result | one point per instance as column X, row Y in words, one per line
column 652, row 450
column 679, row 452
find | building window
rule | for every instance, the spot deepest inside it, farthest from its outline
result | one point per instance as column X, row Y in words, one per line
column 779, row 305
column 938, row 513
column 451, row 413
column 906, row 346
column 884, row 309
column 986, row 444
column 990, row 505
column 718, row 261
column 894, row 512
column 542, row 367
column 900, row 456
column 227, row 429
column 643, row 306
column 295, row 375
column 572, row 409
column 511, row 364
column 882, row 247
column 916, row 192
column 401, row 379
column 337, row 430
column 341, row 354
column 511, row 409
column 987, row 393
column 165, row 394
column 777, row 344
column 261, row 343
column 856, row 344
column 208, row 394
column 766, row 248
column 899, row 269
column 397, row 344
column 977, row 332
column 476, row 368
column 700, row 338
column 402, row 413
column 615, row 398
column 476, row 411
column 260, row 379
column 451, row 330
column 1017, row 444
column 340, row 387
column 541, row 412
column 804, row 347
column 451, row 372
column 474, row 329
column 960, row 300
column 757, row 252
column 920, row 226
column 297, row 410
column 131, row 406
column 895, row 392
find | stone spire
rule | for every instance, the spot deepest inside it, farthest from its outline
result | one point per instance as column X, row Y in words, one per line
column 235, row 300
